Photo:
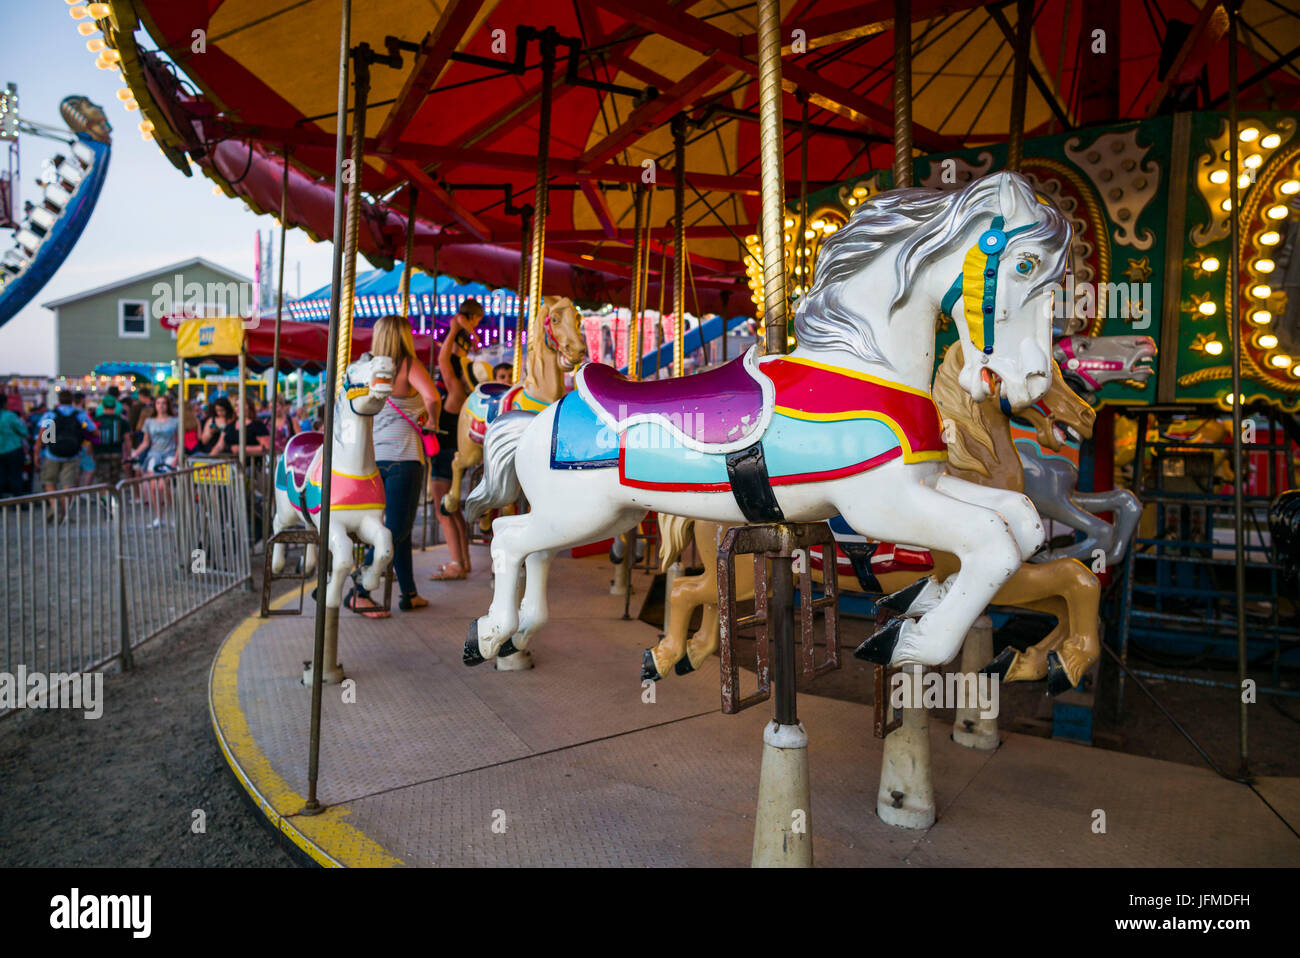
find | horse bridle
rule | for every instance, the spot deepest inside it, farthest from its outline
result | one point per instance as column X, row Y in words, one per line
column 1080, row 367
column 980, row 271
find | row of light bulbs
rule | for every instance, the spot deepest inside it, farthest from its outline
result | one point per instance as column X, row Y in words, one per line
column 88, row 16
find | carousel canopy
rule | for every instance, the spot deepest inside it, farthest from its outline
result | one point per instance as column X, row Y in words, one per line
column 378, row 293
column 455, row 97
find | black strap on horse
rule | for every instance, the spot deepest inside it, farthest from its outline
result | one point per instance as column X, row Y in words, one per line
column 752, row 486
column 860, row 554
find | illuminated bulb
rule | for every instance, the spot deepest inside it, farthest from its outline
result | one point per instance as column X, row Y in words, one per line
column 1249, row 134
column 1295, row 370
column 1262, row 291
column 111, row 55
column 78, row 12
column 789, row 223
column 1281, row 361
column 99, row 10
column 1267, row 341
column 95, row 44
column 1210, row 264
column 146, row 137
column 817, row 224
column 808, row 234
column 1276, row 212
column 1213, row 347
column 852, row 201
column 1219, row 176
column 146, row 126
column 87, row 28
column 1243, row 181
column 124, row 94
column 1271, row 238
column 1261, row 317
column 1290, row 187
column 859, row 191
column 1271, row 141
column 1206, row 309
column 1226, row 205
column 1264, row 265
column 131, row 105
column 1253, row 161
column 829, row 228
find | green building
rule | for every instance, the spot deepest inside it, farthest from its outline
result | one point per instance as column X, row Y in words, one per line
column 120, row 322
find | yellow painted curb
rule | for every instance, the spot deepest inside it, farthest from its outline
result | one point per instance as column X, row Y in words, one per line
column 327, row 838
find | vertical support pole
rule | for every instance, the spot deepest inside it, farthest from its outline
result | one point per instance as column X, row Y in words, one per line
column 1019, row 84
column 407, row 266
column 313, row 805
column 969, row 727
column 268, row 479
column 1234, row 335
column 772, row 157
column 906, row 796
column 902, row 93
column 679, row 244
column 361, row 92
column 541, row 201
column 521, row 321
column 638, row 271
column 801, row 249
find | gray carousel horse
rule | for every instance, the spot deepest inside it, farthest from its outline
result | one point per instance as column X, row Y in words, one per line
column 1087, row 363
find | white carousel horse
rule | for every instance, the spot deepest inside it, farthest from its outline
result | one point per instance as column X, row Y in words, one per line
column 356, row 489
column 843, row 425
column 561, row 348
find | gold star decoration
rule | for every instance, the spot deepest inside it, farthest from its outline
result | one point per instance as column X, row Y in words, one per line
column 1139, row 270
column 1194, row 307
column 1207, row 344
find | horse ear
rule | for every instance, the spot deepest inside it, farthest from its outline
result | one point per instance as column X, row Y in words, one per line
column 1009, row 198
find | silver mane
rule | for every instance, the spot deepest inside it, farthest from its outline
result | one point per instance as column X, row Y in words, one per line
column 917, row 227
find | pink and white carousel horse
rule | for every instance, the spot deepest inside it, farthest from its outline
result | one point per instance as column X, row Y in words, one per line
column 356, row 489
column 843, row 425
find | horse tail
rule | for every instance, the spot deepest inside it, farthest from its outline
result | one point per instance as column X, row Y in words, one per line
column 674, row 533
column 499, row 486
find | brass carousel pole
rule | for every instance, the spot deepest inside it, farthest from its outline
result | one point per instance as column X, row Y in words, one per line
column 1019, row 84
column 361, row 91
column 902, row 93
column 521, row 321
column 1234, row 334
column 634, row 315
column 541, row 202
column 313, row 805
column 679, row 244
column 407, row 267
column 275, row 361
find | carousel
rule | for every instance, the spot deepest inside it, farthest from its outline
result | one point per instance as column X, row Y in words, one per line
column 1019, row 418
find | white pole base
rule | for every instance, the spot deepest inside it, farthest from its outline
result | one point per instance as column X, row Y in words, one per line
column 906, row 795
column 968, row 728
column 333, row 674
column 783, row 824
column 521, row 661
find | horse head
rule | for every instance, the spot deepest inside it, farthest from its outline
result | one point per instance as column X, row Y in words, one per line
column 561, row 325
column 1060, row 415
column 1094, row 361
column 368, row 383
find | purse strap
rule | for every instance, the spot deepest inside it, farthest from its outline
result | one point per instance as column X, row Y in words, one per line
column 406, row 417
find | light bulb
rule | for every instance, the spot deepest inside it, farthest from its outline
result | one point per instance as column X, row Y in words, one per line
column 1226, row 205
column 99, row 10
column 1271, row 238
column 87, row 28
column 1261, row 317
column 1210, row 264
column 1271, row 141
column 1213, row 347
column 1281, row 361
column 1253, row 161
column 1290, row 187
column 1262, row 291
column 1267, row 341
column 1264, row 265
column 95, row 44
column 1219, row 176
column 1276, row 212
column 1249, row 134
column 1207, row 309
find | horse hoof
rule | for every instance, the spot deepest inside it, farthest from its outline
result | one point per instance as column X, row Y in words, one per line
column 507, row 648
column 880, row 647
column 899, row 602
column 472, row 655
column 1058, row 680
column 442, row 507
column 1000, row 664
column 684, row 666
column 649, row 671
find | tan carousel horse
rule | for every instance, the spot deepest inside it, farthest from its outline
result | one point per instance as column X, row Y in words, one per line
column 561, row 347
column 980, row 450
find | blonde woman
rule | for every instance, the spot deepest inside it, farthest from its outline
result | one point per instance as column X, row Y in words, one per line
column 399, row 454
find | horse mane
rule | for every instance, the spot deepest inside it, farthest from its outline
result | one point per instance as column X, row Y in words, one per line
column 967, row 416
column 674, row 533
column 917, row 227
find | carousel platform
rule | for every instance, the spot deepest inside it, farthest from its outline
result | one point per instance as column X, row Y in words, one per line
column 566, row 765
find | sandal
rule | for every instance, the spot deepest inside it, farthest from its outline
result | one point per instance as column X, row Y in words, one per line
column 413, row 601
column 374, row 612
column 443, row 575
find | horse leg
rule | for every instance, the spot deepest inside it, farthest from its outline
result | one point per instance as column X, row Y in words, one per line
column 517, row 537
column 1127, row 509
column 373, row 531
column 703, row 643
column 981, row 539
column 533, row 610
column 689, row 591
column 340, row 564
column 283, row 518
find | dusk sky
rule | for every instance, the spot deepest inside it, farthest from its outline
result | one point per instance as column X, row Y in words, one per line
column 149, row 214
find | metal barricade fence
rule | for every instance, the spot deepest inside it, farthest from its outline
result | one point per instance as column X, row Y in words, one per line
column 94, row 572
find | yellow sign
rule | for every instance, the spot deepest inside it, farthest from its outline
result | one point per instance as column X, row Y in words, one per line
column 221, row 336
column 215, row 475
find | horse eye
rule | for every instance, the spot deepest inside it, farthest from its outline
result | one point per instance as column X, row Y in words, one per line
column 1024, row 266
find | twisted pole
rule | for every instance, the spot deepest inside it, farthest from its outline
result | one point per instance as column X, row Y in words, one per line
column 772, row 179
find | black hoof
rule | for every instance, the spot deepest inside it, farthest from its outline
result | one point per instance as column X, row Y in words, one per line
column 880, row 647
column 684, row 666
column 471, row 655
column 900, row 601
column 508, row 648
column 1001, row 663
column 649, row 671
column 442, row 506
column 1057, row 680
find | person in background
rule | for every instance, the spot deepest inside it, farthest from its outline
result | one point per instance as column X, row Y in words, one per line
column 190, row 427
column 257, row 438
column 134, row 448
column 112, row 427
column 159, row 447
column 285, row 427
column 503, row 373
column 453, row 367
column 399, row 453
column 221, row 414
column 13, row 452
column 59, row 435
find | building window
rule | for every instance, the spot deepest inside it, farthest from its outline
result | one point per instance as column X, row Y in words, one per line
column 133, row 319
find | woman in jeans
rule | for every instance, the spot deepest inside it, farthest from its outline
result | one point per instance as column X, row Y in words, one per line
column 399, row 454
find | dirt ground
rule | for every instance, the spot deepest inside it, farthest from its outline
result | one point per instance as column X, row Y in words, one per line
column 121, row 790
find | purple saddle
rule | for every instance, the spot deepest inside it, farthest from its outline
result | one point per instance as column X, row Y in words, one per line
column 298, row 454
column 719, row 411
